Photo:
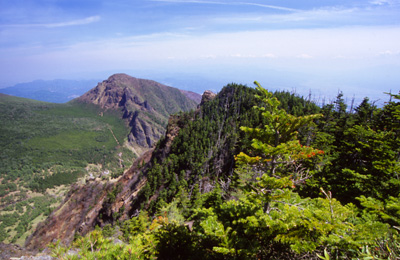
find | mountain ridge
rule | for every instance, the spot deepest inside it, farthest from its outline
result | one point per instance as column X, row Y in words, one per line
column 120, row 200
column 145, row 104
column 63, row 90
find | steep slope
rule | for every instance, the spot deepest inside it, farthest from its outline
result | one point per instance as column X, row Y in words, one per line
column 93, row 204
column 146, row 106
column 187, row 200
column 98, row 203
column 197, row 151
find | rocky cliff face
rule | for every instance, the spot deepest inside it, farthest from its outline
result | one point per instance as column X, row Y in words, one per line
column 207, row 96
column 145, row 104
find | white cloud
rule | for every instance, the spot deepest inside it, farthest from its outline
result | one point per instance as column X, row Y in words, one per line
column 315, row 18
column 316, row 50
column 389, row 53
column 304, row 56
column 270, row 6
column 87, row 20
column 282, row 8
column 209, row 56
column 268, row 55
column 380, row 2
column 242, row 56
column 361, row 42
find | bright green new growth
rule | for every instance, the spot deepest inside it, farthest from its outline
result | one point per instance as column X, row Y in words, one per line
column 276, row 145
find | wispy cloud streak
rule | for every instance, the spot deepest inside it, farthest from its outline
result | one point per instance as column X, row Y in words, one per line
column 228, row 3
column 270, row 6
column 87, row 20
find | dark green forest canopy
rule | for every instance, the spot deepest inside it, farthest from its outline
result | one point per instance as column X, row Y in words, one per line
column 208, row 140
column 333, row 193
column 205, row 148
column 325, row 187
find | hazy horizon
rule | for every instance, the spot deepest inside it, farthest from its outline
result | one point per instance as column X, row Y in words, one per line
column 318, row 46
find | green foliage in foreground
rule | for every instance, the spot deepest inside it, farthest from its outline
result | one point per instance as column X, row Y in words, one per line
column 268, row 212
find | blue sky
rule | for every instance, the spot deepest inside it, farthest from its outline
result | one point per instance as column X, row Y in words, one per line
column 318, row 46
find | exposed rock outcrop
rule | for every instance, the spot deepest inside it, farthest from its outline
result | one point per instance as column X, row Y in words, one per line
column 145, row 105
column 7, row 251
column 208, row 95
column 91, row 204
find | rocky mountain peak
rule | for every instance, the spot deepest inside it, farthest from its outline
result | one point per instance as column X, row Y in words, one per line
column 145, row 105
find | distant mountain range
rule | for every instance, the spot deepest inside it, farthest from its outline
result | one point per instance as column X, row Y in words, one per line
column 54, row 91
column 63, row 90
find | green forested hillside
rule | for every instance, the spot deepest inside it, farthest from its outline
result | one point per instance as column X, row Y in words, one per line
column 46, row 145
column 250, row 176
